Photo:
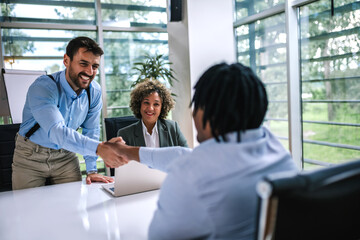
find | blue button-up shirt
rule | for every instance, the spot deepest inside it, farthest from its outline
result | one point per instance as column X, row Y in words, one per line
column 210, row 192
column 60, row 112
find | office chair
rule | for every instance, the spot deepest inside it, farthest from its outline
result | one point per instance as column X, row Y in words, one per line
column 7, row 145
column 321, row 204
column 112, row 126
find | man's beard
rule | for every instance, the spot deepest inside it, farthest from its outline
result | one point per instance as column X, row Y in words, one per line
column 76, row 79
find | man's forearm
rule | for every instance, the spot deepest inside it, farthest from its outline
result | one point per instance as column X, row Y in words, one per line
column 133, row 153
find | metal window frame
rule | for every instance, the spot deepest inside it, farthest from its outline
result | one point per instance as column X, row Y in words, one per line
column 128, row 7
column 280, row 8
column 294, row 84
column 295, row 121
column 293, row 71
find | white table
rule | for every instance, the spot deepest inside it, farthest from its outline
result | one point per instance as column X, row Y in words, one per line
column 74, row 211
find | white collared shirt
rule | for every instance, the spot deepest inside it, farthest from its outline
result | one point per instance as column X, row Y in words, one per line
column 151, row 140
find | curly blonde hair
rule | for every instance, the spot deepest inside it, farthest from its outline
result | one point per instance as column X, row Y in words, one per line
column 144, row 89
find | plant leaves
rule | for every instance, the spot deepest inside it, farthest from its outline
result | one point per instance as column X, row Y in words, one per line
column 153, row 67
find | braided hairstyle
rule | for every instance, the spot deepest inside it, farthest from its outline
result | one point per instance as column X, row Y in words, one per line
column 232, row 97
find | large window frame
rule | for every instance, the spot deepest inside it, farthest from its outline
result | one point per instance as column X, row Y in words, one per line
column 96, row 26
column 294, row 81
column 293, row 72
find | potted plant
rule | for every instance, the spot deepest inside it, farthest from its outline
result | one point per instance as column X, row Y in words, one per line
column 153, row 67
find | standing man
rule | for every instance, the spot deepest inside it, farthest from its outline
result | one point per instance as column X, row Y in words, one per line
column 56, row 106
column 209, row 192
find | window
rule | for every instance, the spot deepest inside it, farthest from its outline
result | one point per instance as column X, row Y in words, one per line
column 262, row 46
column 37, row 49
column 63, row 12
column 134, row 14
column 245, row 8
column 121, row 50
column 34, row 35
column 329, row 49
column 330, row 56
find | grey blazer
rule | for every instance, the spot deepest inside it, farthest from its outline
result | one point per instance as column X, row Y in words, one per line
column 169, row 134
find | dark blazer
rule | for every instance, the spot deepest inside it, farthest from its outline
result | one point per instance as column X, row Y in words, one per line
column 169, row 134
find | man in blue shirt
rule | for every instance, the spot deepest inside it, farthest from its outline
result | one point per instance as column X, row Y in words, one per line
column 209, row 192
column 56, row 106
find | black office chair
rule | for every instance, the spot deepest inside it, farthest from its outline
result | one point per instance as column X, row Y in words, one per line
column 7, row 145
column 112, row 126
column 321, row 204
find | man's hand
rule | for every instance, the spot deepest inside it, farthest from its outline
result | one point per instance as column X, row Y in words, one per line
column 126, row 152
column 116, row 153
column 95, row 177
column 108, row 152
column 117, row 139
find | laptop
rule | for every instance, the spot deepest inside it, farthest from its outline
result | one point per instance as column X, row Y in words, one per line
column 134, row 177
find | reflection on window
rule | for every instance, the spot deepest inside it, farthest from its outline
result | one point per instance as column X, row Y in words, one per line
column 132, row 13
column 244, row 8
column 330, row 57
column 122, row 49
column 262, row 46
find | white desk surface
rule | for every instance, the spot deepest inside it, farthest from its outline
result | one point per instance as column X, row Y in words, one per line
column 74, row 211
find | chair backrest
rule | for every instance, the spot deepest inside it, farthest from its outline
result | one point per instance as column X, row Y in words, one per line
column 321, row 204
column 7, row 145
column 112, row 125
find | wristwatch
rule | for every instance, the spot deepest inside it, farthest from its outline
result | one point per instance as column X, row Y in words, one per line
column 91, row 172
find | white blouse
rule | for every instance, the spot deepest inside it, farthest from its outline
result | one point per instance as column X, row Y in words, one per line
column 151, row 140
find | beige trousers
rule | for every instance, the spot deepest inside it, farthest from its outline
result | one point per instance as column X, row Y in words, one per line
column 33, row 164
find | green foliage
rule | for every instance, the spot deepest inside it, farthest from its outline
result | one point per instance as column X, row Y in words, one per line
column 330, row 133
column 7, row 10
column 153, row 67
column 329, row 50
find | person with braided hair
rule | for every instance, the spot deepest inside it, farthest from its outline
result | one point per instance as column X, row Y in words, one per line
column 209, row 191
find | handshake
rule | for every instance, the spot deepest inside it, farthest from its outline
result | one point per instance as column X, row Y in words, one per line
column 116, row 153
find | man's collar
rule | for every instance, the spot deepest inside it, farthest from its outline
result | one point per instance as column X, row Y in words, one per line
column 68, row 89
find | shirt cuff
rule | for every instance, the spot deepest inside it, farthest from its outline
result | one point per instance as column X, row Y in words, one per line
column 90, row 163
column 146, row 156
column 91, row 147
column 90, row 159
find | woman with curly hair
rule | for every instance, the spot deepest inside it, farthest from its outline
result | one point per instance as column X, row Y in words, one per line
column 151, row 102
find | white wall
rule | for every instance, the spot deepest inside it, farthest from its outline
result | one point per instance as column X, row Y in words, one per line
column 179, row 56
column 203, row 38
column 211, row 37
